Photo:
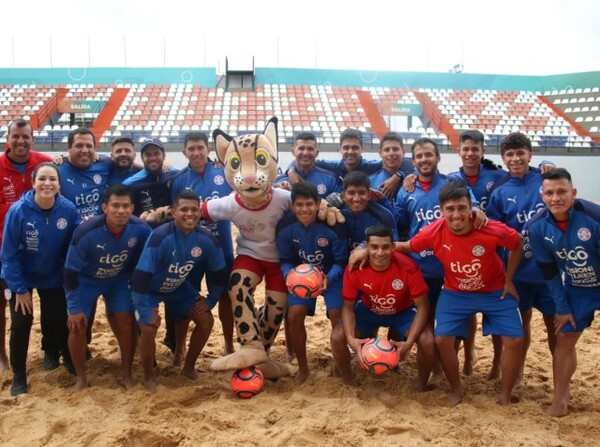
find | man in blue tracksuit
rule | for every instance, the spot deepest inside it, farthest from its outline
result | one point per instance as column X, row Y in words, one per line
column 208, row 182
column 565, row 240
column 305, row 153
column 100, row 261
column 514, row 200
column 304, row 239
column 152, row 199
column 393, row 162
column 175, row 259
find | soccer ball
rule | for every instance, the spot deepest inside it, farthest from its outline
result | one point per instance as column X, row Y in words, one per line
column 247, row 382
column 379, row 355
column 305, row 281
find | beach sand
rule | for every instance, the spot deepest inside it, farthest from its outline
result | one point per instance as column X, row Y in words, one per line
column 384, row 410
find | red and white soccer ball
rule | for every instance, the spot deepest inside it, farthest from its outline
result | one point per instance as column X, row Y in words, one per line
column 378, row 355
column 305, row 281
column 247, row 382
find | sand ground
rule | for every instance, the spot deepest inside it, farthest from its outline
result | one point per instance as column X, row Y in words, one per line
column 385, row 410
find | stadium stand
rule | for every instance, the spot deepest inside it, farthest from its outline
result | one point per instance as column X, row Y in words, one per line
column 568, row 118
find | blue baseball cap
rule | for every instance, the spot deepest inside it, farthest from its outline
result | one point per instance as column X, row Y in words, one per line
column 152, row 142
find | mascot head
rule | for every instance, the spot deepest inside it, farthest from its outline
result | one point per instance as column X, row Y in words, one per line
column 250, row 161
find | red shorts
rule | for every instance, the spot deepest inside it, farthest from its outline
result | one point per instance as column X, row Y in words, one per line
column 270, row 270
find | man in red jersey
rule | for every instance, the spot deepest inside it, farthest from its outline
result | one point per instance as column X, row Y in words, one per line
column 16, row 165
column 474, row 281
column 389, row 292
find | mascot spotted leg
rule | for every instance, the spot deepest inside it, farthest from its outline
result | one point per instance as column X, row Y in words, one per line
column 250, row 166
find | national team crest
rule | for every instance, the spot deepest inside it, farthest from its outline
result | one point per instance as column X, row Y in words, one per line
column 488, row 186
column 397, row 284
column 478, row 250
column 321, row 188
column 219, row 180
column 131, row 242
column 61, row 223
column 97, row 179
column 322, row 242
column 584, row 234
column 196, row 252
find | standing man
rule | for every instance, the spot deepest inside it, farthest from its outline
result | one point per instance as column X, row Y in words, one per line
column 389, row 292
column 100, row 261
column 176, row 257
column 305, row 153
column 565, row 240
column 303, row 239
column 208, row 182
column 17, row 163
column 514, row 201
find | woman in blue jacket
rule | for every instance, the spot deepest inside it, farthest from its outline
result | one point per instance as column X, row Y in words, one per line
column 37, row 232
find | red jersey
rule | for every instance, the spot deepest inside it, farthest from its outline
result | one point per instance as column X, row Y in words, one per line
column 386, row 292
column 471, row 263
column 15, row 183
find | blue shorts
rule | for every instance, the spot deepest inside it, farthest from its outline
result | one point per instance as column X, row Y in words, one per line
column 332, row 296
column 584, row 303
column 117, row 296
column 500, row 317
column 179, row 306
column 368, row 322
column 435, row 288
column 535, row 295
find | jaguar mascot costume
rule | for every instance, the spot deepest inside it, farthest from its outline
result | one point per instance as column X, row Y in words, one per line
column 250, row 164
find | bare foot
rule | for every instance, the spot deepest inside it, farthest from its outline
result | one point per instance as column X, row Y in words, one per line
column 558, row 409
column 3, row 364
column 456, row 397
column 80, row 384
column 494, row 372
column 470, row 362
column 150, row 383
column 519, row 382
column 178, row 357
column 301, row 376
column 290, row 356
column 127, row 382
column 190, row 373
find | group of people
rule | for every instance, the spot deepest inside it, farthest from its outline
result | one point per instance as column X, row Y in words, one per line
column 84, row 226
column 420, row 253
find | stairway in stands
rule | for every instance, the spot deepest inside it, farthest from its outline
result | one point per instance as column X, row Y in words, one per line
column 438, row 120
column 377, row 122
column 108, row 112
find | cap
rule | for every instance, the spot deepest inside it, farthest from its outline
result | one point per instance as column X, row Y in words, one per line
column 152, row 142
